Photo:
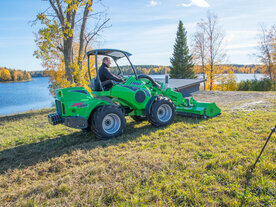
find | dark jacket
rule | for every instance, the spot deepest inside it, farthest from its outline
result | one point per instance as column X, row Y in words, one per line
column 105, row 74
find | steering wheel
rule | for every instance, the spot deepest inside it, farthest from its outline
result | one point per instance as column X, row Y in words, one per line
column 119, row 74
column 154, row 83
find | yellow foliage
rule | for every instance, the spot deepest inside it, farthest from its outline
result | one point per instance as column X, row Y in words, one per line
column 17, row 75
column 215, row 78
column 5, row 75
column 13, row 75
column 145, row 71
column 81, row 77
column 227, row 68
column 228, row 82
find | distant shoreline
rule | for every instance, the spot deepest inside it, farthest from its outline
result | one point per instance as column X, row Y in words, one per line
column 16, row 81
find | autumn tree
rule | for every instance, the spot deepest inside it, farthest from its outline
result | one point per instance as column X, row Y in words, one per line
column 18, row 75
column 228, row 82
column 213, row 42
column 26, row 75
column 267, row 51
column 5, row 75
column 64, row 38
column 199, row 49
column 182, row 61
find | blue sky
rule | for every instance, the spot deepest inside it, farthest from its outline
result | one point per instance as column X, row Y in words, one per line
column 146, row 28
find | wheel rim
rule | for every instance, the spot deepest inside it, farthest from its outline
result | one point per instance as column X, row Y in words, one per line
column 111, row 123
column 164, row 112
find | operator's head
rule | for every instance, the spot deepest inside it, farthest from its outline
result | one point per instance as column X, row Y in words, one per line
column 107, row 61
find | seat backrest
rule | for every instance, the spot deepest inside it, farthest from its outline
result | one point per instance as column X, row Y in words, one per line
column 94, row 84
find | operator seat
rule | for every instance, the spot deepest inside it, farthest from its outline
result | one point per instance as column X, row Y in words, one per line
column 95, row 84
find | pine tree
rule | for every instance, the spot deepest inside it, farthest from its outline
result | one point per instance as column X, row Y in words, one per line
column 182, row 64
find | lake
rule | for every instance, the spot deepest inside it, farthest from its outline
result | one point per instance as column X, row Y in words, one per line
column 23, row 96
column 18, row 97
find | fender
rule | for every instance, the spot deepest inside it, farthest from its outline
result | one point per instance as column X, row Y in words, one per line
column 149, row 104
column 92, row 111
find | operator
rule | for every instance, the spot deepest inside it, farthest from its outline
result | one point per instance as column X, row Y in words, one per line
column 106, row 75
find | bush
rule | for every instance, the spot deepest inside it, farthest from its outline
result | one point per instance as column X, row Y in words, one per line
column 228, row 83
column 257, row 85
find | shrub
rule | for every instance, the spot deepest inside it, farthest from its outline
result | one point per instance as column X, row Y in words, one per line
column 257, row 85
column 228, row 83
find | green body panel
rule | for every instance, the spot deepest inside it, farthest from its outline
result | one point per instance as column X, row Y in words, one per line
column 124, row 94
column 79, row 102
column 83, row 100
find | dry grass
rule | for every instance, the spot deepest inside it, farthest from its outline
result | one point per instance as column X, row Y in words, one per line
column 193, row 162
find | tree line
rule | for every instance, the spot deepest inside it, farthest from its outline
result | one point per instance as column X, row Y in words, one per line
column 7, row 74
column 37, row 74
column 142, row 69
column 219, row 69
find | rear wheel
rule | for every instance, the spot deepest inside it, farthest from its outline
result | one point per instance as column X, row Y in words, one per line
column 162, row 112
column 108, row 122
column 139, row 118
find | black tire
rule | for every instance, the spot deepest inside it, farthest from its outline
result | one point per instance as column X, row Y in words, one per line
column 139, row 118
column 162, row 112
column 108, row 122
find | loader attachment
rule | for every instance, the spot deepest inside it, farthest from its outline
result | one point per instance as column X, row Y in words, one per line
column 198, row 109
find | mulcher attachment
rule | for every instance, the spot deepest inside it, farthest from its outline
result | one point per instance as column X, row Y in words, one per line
column 191, row 107
column 198, row 109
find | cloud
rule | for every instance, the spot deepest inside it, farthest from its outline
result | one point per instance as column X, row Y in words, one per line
column 153, row 3
column 200, row 3
column 242, row 46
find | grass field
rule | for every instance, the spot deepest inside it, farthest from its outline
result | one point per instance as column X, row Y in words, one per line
column 193, row 162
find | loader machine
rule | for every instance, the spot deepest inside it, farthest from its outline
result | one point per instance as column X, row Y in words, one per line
column 103, row 110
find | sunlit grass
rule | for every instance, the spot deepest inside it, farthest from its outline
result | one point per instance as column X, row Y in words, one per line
column 193, row 162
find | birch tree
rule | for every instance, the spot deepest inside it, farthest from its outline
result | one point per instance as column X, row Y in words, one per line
column 199, row 49
column 213, row 42
column 267, row 51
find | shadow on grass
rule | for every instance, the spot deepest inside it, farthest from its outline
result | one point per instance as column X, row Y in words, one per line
column 26, row 115
column 31, row 154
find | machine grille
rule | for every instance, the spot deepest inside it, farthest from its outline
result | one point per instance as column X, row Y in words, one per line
column 59, row 109
column 63, row 108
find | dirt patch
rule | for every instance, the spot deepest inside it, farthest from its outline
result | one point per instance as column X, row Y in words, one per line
column 238, row 100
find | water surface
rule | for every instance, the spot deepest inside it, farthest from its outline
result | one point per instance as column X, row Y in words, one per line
column 18, row 97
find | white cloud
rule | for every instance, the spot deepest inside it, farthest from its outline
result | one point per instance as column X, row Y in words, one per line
column 153, row 3
column 242, row 45
column 200, row 3
column 238, row 39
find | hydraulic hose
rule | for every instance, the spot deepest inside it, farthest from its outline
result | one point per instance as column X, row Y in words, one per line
column 150, row 79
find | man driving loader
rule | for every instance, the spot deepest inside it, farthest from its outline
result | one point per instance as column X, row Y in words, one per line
column 106, row 77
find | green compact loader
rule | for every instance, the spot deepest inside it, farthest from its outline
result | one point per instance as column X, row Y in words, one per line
column 139, row 96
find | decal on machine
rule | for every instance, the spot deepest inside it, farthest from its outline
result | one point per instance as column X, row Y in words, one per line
column 80, row 105
column 136, row 83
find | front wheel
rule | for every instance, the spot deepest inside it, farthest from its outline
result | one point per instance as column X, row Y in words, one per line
column 162, row 112
column 108, row 122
